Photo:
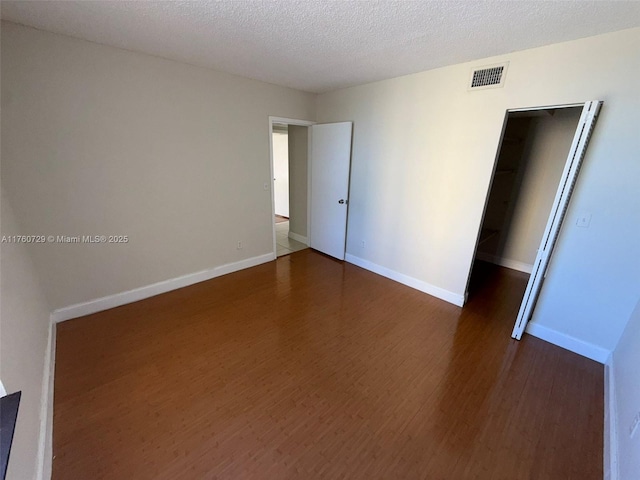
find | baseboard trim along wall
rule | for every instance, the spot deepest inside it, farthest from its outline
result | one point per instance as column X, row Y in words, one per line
column 118, row 299
column 425, row 287
column 568, row 342
column 505, row 262
column 299, row 238
column 45, row 441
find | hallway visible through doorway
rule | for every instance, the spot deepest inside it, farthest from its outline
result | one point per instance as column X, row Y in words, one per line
column 284, row 244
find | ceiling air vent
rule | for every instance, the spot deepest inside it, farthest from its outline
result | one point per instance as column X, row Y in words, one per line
column 490, row 76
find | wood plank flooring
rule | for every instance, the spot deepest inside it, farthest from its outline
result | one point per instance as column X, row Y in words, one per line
column 309, row 368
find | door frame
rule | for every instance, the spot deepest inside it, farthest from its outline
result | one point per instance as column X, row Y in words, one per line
column 590, row 110
column 287, row 121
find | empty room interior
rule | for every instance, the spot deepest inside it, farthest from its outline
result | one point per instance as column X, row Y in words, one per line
column 320, row 240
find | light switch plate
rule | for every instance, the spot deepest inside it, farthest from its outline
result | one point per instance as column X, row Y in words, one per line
column 584, row 220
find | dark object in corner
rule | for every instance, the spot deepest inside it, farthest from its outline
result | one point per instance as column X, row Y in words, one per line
column 8, row 415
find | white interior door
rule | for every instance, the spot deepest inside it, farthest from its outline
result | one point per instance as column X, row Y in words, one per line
column 330, row 152
column 558, row 210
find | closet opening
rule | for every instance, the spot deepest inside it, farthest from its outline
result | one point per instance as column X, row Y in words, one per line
column 536, row 167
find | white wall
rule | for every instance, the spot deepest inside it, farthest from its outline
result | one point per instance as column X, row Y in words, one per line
column 24, row 333
column 281, row 173
column 626, row 381
column 103, row 141
column 298, row 171
column 423, row 151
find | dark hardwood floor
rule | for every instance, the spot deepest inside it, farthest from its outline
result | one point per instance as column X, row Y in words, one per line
column 309, row 368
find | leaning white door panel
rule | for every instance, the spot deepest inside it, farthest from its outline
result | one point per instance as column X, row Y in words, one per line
column 330, row 153
column 558, row 210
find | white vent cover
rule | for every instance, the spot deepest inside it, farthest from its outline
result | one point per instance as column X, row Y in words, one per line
column 488, row 76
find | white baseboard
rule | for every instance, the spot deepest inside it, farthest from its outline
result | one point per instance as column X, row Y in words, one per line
column 122, row 298
column 299, row 238
column 610, row 423
column 425, row 287
column 505, row 262
column 568, row 342
column 45, row 441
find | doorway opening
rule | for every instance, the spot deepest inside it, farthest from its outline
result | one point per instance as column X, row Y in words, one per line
column 289, row 152
column 536, row 168
column 319, row 166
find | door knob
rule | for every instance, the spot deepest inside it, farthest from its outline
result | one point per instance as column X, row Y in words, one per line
column 342, row 200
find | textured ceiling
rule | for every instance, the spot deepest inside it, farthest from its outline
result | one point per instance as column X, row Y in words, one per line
column 319, row 46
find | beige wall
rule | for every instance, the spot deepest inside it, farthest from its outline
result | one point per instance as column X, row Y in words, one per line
column 102, row 141
column 24, row 332
column 298, row 144
column 423, row 152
